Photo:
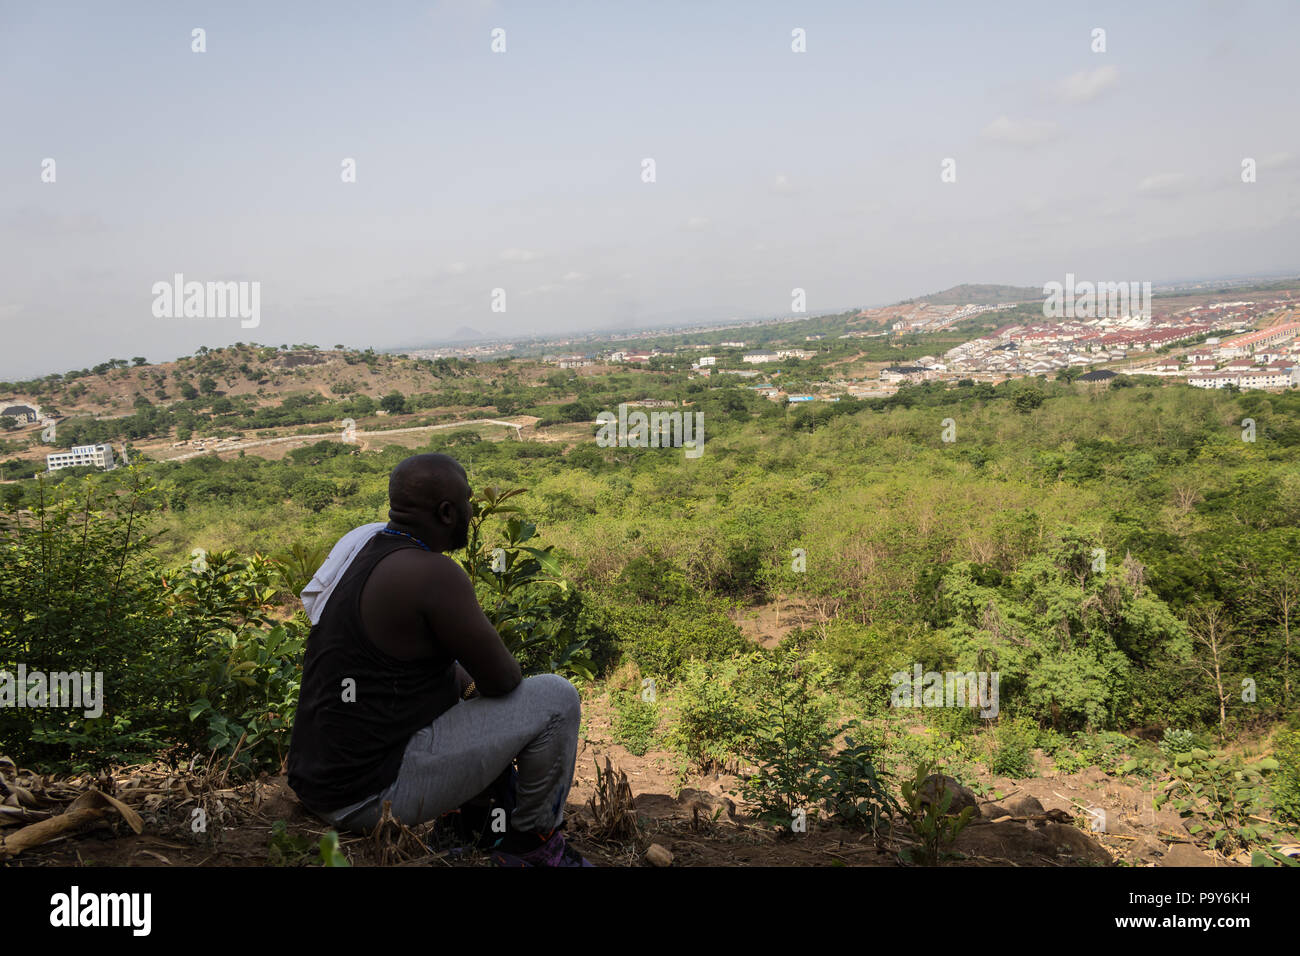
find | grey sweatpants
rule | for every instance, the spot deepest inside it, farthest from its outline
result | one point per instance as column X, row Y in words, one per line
column 457, row 756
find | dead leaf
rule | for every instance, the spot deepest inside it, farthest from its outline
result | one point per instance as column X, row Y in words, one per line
column 90, row 806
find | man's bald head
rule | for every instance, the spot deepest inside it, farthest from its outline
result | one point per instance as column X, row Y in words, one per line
column 431, row 493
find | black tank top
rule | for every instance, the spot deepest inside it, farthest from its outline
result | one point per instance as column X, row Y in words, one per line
column 344, row 750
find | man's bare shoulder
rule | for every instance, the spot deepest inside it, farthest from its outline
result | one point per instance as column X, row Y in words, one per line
column 412, row 565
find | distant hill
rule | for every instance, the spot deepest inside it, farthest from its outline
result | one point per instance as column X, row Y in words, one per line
column 977, row 294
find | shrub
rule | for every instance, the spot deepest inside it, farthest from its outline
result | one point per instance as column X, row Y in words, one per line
column 1012, row 742
column 635, row 722
column 787, row 737
column 855, row 790
column 661, row 640
column 238, row 669
column 313, row 493
column 1177, row 742
column 77, row 596
column 953, row 722
column 1222, row 796
column 710, row 713
column 1286, row 783
column 522, row 592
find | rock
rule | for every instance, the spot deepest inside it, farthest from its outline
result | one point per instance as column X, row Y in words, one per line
column 1184, row 854
column 658, row 856
column 1073, row 842
column 1020, row 843
column 1023, row 805
column 707, row 803
column 994, row 811
column 961, row 796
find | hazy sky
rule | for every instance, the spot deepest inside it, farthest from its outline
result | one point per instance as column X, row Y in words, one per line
column 522, row 170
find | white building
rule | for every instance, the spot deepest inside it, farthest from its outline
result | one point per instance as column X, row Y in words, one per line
column 757, row 357
column 708, row 360
column 100, row 456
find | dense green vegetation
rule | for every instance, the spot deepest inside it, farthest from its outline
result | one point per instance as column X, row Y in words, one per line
column 1124, row 559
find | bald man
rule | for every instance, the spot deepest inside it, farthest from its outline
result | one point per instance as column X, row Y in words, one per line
column 410, row 696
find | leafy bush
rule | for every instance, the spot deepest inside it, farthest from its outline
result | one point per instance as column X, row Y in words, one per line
column 1224, row 797
column 661, row 640
column 855, row 790
column 313, row 493
column 1103, row 749
column 1286, row 782
column 239, row 668
column 787, row 737
column 77, row 597
column 635, row 722
column 522, row 592
column 1177, row 742
column 1013, row 742
column 711, row 713
column 653, row 579
column 296, row 566
column 953, row 722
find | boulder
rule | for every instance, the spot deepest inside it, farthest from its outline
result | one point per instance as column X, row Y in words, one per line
column 1184, row 854
column 1072, row 842
column 1023, row 805
column 994, row 811
column 961, row 796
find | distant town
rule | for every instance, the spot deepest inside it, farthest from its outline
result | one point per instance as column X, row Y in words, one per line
column 1214, row 345
column 1204, row 340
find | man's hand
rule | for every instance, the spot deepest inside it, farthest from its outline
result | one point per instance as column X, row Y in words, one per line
column 463, row 680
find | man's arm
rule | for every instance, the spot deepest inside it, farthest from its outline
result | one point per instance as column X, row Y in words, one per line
column 458, row 622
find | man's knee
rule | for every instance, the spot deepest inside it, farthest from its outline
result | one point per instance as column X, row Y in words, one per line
column 556, row 693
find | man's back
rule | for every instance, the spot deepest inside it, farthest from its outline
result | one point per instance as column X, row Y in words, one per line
column 370, row 680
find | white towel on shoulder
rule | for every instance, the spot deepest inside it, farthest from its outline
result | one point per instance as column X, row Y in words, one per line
column 317, row 593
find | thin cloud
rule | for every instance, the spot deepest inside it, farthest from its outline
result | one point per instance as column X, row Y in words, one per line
column 1087, row 85
column 1277, row 161
column 1020, row 133
column 1166, row 184
column 518, row 255
column 781, row 184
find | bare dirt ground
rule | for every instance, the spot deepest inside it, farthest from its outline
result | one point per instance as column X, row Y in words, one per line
column 699, row 820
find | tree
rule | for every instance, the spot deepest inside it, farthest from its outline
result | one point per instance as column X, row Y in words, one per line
column 207, row 385
column 140, row 360
column 1271, row 574
column 188, row 391
column 394, row 403
column 1212, row 631
column 312, row 492
column 1027, row 399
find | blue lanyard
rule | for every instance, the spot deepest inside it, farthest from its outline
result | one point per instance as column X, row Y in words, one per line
column 405, row 535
